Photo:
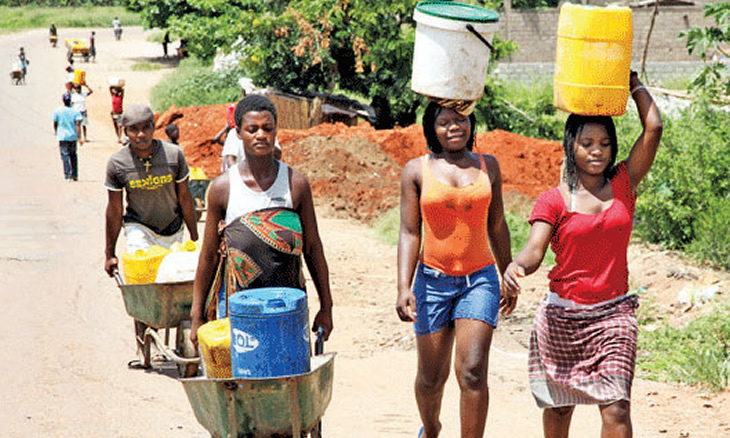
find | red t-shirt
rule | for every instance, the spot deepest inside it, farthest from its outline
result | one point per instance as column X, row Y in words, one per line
column 590, row 249
column 117, row 103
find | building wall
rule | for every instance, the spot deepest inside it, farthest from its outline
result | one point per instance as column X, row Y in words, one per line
column 536, row 33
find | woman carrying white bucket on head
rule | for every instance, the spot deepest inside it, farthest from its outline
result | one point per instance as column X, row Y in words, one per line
column 455, row 297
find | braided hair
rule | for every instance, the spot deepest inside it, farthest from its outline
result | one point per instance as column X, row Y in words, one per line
column 573, row 129
column 429, row 128
column 255, row 103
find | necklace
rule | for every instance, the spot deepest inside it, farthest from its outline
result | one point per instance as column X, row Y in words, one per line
column 147, row 161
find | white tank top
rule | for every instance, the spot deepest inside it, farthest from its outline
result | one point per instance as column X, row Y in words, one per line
column 243, row 200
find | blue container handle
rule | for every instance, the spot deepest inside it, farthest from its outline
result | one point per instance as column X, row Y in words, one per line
column 276, row 303
column 319, row 343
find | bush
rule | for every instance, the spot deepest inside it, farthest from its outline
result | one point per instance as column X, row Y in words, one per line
column 683, row 201
column 193, row 84
column 712, row 234
column 520, row 107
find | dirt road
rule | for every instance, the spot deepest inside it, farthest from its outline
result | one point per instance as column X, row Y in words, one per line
column 66, row 337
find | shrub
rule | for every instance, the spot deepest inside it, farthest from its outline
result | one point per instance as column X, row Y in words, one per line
column 193, row 84
column 683, row 200
column 712, row 234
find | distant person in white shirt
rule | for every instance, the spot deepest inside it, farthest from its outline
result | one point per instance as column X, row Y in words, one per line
column 117, row 25
column 228, row 136
column 78, row 102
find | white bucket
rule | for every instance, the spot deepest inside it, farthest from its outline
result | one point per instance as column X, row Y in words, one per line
column 449, row 61
column 115, row 81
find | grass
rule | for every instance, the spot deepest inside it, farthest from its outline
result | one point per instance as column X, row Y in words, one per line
column 698, row 354
column 194, row 83
column 146, row 66
column 17, row 19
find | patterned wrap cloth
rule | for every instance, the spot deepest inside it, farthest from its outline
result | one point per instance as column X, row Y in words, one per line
column 463, row 107
column 260, row 249
column 583, row 356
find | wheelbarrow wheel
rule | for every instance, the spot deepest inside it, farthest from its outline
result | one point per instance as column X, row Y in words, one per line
column 186, row 349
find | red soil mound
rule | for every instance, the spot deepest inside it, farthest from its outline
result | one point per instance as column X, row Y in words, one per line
column 356, row 170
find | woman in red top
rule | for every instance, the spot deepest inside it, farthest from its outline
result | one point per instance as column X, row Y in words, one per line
column 455, row 298
column 117, row 109
column 583, row 343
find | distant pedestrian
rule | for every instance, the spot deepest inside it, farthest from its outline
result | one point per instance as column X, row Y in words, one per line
column 173, row 133
column 23, row 61
column 92, row 46
column 165, row 42
column 67, row 128
column 70, row 76
column 117, row 109
column 78, row 102
column 117, row 26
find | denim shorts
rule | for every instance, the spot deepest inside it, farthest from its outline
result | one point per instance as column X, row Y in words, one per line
column 441, row 298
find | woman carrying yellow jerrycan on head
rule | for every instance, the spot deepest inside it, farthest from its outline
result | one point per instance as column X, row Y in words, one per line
column 583, row 342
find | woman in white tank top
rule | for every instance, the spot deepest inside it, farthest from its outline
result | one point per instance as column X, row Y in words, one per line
column 259, row 197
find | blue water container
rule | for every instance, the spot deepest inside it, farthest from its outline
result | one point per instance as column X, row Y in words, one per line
column 269, row 332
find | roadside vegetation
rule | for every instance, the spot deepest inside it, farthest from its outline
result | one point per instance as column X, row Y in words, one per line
column 697, row 354
column 14, row 19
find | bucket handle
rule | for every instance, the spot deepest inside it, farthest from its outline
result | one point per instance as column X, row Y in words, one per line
column 471, row 29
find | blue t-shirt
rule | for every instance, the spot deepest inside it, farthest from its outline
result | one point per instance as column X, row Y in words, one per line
column 66, row 118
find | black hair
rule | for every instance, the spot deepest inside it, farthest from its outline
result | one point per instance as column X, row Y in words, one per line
column 256, row 103
column 169, row 129
column 573, row 128
column 429, row 128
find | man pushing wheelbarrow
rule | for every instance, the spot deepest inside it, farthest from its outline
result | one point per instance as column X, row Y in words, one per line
column 154, row 175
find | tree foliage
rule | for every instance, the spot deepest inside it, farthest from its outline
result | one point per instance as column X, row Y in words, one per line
column 360, row 46
column 712, row 41
column 60, row 3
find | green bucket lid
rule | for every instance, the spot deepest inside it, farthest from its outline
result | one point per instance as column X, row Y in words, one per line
column 457, row 11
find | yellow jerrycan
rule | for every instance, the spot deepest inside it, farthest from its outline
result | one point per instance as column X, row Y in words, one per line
column 593, row 59
column 214, row 338
column 141, row 266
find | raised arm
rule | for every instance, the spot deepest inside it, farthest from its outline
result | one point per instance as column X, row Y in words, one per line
column 219, row 137
column 409, row 239
column 644, row 150
column 313, row 251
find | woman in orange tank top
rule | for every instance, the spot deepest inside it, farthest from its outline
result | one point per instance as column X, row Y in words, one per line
column 455, row 196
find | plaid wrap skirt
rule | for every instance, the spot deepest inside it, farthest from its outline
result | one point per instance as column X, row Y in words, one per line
column 583, row 356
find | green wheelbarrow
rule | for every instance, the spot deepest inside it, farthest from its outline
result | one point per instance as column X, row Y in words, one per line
column 163, row 306
column 198, row 188
column 288, row 406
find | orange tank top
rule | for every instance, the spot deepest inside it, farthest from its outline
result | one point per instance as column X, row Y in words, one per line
column 455, row 239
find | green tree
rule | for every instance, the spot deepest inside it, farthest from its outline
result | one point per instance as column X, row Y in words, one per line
column 714, row 79
column 360, row 46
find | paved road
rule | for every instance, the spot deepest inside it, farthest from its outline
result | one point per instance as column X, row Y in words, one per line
column 64, row 333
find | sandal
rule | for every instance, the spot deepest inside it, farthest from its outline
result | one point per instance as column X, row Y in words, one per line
column 136, row 364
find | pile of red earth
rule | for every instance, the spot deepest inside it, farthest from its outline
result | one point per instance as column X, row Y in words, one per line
column 356, row 170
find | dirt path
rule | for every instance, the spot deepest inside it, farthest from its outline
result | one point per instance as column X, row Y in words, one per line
column 67, row 337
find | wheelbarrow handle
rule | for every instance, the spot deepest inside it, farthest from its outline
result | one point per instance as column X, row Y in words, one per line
column 319, row 343
column 118, row 278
